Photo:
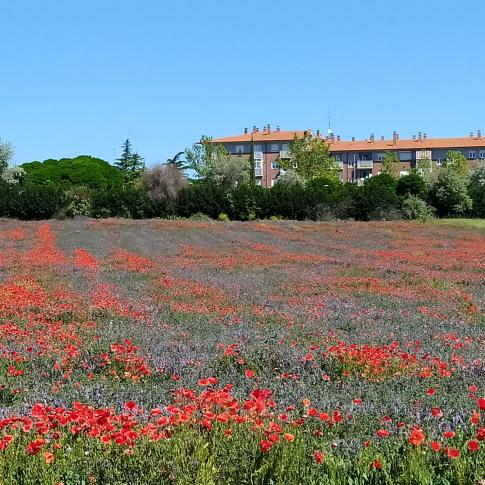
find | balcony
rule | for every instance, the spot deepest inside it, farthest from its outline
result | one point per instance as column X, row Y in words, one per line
column 284, row 155
column 258, row 155
column 365, row 164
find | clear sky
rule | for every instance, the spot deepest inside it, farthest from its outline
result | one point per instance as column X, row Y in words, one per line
column 78, row 77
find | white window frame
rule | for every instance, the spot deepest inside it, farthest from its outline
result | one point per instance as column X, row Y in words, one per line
column 275, row 165
column 472, row 155
column 274, row 147
column 258, row 163
column 258, row 148
column 381, row 156
column 240, row 149
column 285, row 147
column 481, row 154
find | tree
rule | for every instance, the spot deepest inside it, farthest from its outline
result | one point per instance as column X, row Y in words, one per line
column 476, row 189
column 162, row 184
column 311, row 158
column 6, row 154
column 449, row 194
column 176, row 161
column 457, row 163
column 211, row 161
column 390, row 163
column 130, row 163
column 412, row 184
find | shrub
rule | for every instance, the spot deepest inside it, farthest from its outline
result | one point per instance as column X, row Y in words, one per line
column 78, row 202
column 223, row 217
column 31, row 201
column 377, row 199
column 201, row 196
column 414, row 207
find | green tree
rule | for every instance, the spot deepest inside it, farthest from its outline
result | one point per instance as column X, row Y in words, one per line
column 311, row 158
column 390, row 163
column 6, row 154
column 457, row 163
column 412, row 184
column 130, row 163
column 211, row 161
column 176, row 161
column 449, row 194
column 476, row 189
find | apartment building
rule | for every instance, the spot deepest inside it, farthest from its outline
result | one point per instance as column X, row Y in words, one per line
column 357, row 159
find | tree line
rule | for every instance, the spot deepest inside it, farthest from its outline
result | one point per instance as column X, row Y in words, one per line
column 205, row 181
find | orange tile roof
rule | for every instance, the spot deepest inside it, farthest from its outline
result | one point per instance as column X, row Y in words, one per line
column 423, row 144
column 361, row 145
column 260, row 136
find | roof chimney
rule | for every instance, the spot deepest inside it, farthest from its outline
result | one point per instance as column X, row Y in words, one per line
column 353, row 138
column 268, row 129
column 372, row 137
column 420, row 136
column 257, row 129
column 338, row 137
column 264, row 129
column 425, row 136
column 254, row 128
column 479, row 134
column 278, row 128
column 414, row 137
column 318, row 133
column 394, row 137
column 382, row 138
column 471, row 134
column 245, row 131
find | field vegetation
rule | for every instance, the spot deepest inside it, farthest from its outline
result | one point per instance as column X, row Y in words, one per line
column 201, row 352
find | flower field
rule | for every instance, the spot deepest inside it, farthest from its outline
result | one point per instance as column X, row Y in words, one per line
column 158, row 352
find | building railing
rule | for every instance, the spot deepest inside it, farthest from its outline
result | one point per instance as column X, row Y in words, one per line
column 284, row 154
column 365, row 164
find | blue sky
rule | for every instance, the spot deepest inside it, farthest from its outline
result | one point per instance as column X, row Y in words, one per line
column 80, row 77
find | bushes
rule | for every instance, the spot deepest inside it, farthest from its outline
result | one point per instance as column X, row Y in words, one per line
column 415, row 208
column 476, row 189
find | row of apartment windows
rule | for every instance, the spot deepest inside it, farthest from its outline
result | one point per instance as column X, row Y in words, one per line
column 404, row 156
column 273, row 148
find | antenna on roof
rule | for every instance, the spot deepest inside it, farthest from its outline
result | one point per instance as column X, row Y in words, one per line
column 329, row 131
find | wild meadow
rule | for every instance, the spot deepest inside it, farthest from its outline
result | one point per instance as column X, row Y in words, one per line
column 193, row 352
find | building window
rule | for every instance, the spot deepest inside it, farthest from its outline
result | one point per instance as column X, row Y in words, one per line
column 275, row 147
column 273, row 181
column 239, row 148
column 439, row 161
column 259, row 182
column 405, row 156
column 365, row 156
column 482, row 154
column 275, row 165
column 338, row 157
column 380, row 156
column 257, row 148
column 472, row 155
column 284, row 147
column 257, row 164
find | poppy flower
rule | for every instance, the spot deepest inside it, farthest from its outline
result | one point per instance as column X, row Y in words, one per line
column 416, row 437
column 318, row 456
column 437, row 412
column 473, row 445
column 289, row 437
column 265, row 446
column 383, row 433
column 377, row 464
column 452, row 452
column 431, row 391
column 48, row 457
column 481, row 404
column 449, row 434
column 435, row 446
column 249, row 373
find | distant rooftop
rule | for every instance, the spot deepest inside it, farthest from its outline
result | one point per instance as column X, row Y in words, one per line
column 419, row 141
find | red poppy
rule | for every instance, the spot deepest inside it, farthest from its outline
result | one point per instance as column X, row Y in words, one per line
column 436, row 446
column 431, row 391
column 437, row 412
column 449, row 434
column 249, row 373
column 473, row 445
column 481, row 403
column 318, row 456
column 452, row 452
column 417, row 436
column 289, row 437
column 377, row 464
column 383, row 433
column 48, row 457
